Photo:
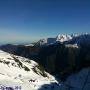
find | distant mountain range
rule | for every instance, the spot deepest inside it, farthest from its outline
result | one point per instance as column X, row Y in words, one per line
column 67, row 39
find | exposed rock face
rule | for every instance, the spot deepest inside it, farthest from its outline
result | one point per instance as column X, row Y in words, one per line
column 73, row 56
column 62, row 60
column 50, row 63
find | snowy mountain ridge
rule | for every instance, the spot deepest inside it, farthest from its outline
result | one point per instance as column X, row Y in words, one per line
column 62, row 38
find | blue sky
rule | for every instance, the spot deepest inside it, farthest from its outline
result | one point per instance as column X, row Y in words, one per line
column 30, row 20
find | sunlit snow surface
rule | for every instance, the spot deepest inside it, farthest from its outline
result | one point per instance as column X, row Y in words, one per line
column 11, row 75
column 14, row 76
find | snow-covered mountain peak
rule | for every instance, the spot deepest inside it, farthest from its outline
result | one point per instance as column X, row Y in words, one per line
column 63, row 37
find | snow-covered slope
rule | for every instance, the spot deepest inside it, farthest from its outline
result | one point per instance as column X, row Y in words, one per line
column 29, row 44
column 19, row 72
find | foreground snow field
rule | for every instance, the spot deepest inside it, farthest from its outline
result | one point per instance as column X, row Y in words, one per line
column 19, row 73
